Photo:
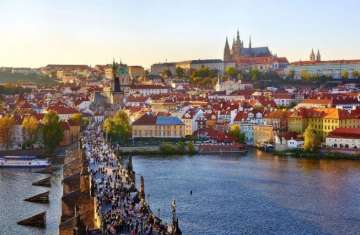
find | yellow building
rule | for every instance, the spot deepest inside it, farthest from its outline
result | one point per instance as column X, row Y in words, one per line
column 323, row 121
column 153, row 126
column 263, row 134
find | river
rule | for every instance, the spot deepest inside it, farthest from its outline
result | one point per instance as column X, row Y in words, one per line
column 15, row 186
column 254, row 194
column 251, row 194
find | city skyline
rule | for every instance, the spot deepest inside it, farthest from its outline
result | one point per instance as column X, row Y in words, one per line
column 143, row 33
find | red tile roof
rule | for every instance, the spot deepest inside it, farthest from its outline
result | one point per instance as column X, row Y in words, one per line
column 345, row 133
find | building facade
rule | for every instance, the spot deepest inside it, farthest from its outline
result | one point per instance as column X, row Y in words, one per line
column 344, row 138
column 154, row 126
column 336, row 69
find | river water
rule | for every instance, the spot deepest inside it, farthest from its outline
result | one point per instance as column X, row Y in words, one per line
column 15, row 186
column 254, row 194
column 251, row 194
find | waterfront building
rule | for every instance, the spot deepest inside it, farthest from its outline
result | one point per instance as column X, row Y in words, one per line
column 323, row 121
column 248, row 129
column 155, row 126
column 345, row 138
column 263, row 134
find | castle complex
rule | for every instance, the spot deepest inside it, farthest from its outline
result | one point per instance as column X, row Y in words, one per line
column 250, row 57
column 238, row 50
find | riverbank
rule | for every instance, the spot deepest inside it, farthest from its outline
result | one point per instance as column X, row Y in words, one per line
column 299, row 153
column 182, row 148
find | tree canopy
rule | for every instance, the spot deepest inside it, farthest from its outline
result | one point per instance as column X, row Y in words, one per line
column 311, row 139
column 117, row 127
column 52, row 132
column 31, row 128
column 6, row 125
column 235, row 132
column 180, row 72
column 231, row 72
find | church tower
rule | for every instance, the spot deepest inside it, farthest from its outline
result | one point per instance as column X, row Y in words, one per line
column 312, row 55
column 236, row 48
column 116, row 80
column 116, row 93
column 318, row 56
column 227, row 53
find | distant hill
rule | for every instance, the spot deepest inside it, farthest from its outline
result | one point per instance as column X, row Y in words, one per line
column 8, row 77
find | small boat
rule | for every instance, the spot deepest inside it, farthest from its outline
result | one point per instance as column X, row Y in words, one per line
column 23, row 161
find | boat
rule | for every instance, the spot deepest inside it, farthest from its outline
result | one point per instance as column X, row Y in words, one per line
column 23, row 161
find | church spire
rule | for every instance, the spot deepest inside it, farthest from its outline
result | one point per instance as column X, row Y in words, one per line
column 227, row 53
column 318, row 56
column 312, row 55
column 238, row 38
column 116, row 81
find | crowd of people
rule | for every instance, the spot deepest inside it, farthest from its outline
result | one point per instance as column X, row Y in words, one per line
column 122, row 209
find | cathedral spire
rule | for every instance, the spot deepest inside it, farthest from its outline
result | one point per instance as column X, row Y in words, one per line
column 238, row 38
column 227, row 53
column 318, row 56
column 312, row 55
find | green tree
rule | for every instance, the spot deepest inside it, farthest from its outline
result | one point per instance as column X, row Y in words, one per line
column 191, row 148
column 118, row 127
column 181, row 147
column 345, row 74
column 356, row 74
column 311, row 139
column 52, row 132
column 30, row 126
column 166, row 73
column 231, row 72
column 254, row 74
column 305, row 75
column 240, row 76
column 203, row 72
column 291, row 74
column 235, row 132
column 180, row 72
column 167, row 148
column 6, row 125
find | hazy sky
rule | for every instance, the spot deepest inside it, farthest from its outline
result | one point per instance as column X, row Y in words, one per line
column 141, row 32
